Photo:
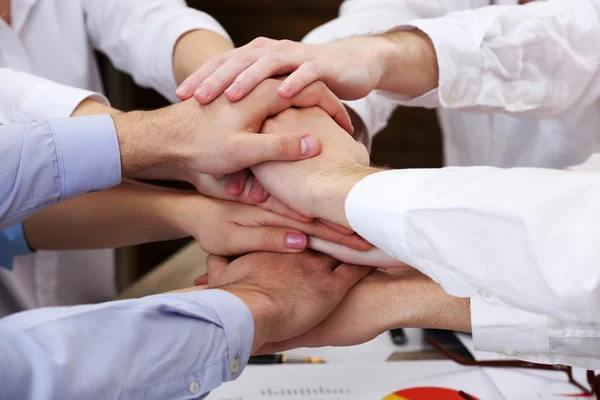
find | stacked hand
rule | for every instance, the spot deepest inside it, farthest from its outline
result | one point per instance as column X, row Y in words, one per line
column 311, row 306
column 229, row 228
column 287, row 294
column 221, row 138
column 402, row 62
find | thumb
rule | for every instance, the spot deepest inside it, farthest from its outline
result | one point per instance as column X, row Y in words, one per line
column 268, row 238
column 201, row 280
column 259, row 148
column 215, row 264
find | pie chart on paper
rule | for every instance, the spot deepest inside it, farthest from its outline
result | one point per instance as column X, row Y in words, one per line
column 427, row 393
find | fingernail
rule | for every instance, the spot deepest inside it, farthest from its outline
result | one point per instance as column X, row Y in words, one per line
column 308, row 146
column 296, row 241
column 183, row 89
column 203, row 91
column 234, row 89
column 285, row 88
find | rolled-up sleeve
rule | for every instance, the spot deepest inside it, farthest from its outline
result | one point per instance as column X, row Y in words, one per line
column 372, row 17
column 41, row 99
column 139, row 36
column 43, row 163
column 538, row 60
column 160, row 347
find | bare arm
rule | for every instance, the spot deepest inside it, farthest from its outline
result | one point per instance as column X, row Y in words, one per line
column 131, row 213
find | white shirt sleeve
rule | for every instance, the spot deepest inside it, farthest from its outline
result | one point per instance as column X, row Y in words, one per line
column 537, row 60
column 139, row 36
column 524, row 237
column 533, row 337
column 371, row 17
column 39, row 98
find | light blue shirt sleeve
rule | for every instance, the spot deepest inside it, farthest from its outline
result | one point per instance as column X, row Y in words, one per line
column 12, row 244
column 173, row 346
column 42, row 163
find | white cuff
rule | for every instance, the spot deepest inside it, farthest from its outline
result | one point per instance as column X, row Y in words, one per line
column 376, row 205
column 510, row 331
column 426, row 100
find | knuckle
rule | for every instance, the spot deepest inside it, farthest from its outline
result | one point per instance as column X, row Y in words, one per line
column 281, row 146
column 285, row 44
column 260, row 41
column 268, row 239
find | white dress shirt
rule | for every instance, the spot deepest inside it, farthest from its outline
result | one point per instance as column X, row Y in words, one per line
column 47, row 67
column 518, row 88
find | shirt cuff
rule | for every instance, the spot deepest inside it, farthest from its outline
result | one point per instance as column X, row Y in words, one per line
column 510, row 331
column 88, row 154
column 238, row 325
column 51, row 100
column 162, row 70
column 426, row 100
column 12, row 244
column 380, row 197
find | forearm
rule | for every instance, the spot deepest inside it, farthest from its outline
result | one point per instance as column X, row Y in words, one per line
column 410, row 299
column 475, row 229
column 129, row 214
column 110, row 350
column 411, row 66
column 193, row 49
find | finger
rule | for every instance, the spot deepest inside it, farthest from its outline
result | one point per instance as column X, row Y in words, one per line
column 215, row 84
column 274, row 205
column 349, row 274
column 372, row 258
column 306, row 74
column 235, row 183
column 274, row 64
column 318, row 94
column 275, row 239
column 215, row 264
column 257, row 193
column 318, row 230
column 201, row 280
column 254, row 149
column 336, row 227
column 191, row 83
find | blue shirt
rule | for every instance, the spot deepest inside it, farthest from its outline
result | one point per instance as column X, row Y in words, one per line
column 42, row 163
column 12, row 244
column 173, row 346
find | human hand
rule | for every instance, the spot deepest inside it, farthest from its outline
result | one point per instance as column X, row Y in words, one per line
column 381, row 302
column 372, row 257
column 399, row 62
column 287, row 294
column 316, row 187
column 351, row 68
column 230, row 228
column 220, row 138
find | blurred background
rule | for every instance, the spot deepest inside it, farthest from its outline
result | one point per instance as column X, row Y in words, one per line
column 411, row 140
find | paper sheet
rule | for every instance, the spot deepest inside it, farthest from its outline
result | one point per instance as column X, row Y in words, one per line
column 412, row 380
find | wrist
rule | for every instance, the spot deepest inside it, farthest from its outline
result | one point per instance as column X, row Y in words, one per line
column 265, row 312
column 185, row 214
column 147, row 139
column 422, row 303
column 330, row 193
column 410, row 60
